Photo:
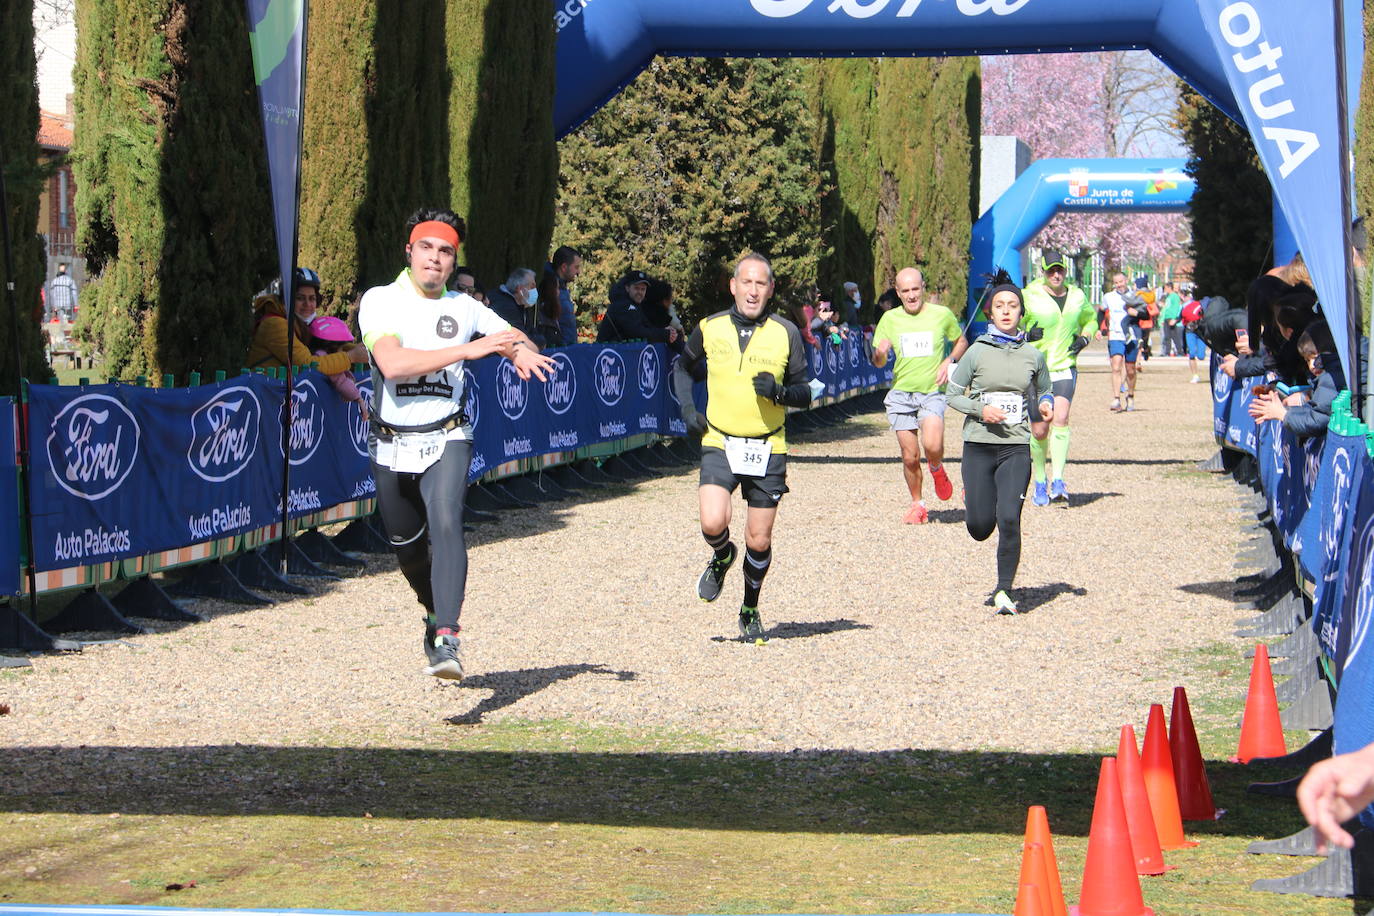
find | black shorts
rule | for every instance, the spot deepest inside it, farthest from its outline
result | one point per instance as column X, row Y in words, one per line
column 1064, row 388
column 760, row 492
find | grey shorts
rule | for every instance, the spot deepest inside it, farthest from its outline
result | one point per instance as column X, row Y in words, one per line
column 908, row 409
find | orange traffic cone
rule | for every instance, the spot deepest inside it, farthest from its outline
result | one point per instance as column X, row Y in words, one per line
column 1110, row 885
column 1028, row 902
column 1190, row 775
column 1038, row 831
column 1158, row 767
column 1261, row 732
column 1033, row 877
column 1149, row 859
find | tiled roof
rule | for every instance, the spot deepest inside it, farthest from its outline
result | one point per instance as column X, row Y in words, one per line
column 54, row 132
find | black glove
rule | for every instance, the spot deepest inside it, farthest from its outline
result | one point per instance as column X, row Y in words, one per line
column 696, row 423
column 1035, row 334
column 1079, row 343
column 767, row 387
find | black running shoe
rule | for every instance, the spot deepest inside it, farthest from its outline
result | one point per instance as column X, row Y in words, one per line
column 709, row 585
column 444, row 661
column 751, row 625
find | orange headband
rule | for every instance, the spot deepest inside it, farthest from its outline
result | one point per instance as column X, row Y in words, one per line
column 437, row 230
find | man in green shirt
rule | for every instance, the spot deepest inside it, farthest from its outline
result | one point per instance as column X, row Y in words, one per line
column 1064, row 317
column 1171, row 323
column 921, row 334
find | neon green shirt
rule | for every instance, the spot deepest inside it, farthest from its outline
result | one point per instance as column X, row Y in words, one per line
column 1061, row 326
column 921, row 342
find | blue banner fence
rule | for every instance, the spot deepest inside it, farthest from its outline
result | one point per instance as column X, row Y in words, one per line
column 125, row 480
column 1320, row 496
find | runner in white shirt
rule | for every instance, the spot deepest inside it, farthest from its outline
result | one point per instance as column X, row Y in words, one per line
column 1123, row 338
column 419, row 334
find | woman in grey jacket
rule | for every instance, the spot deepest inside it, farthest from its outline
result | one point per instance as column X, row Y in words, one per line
column 1003, row 385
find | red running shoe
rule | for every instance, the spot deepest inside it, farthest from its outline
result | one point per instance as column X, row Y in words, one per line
column 916, row 515
column 943, row 488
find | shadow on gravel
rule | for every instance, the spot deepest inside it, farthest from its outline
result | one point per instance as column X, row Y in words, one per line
column 1222, row 588
column 1087, row 499
column 902, row 792
column 1037, row 596
column 510, row 687
column 794, row 630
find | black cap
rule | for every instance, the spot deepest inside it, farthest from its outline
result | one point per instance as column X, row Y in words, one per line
column 634, row 276
column 1052, row 257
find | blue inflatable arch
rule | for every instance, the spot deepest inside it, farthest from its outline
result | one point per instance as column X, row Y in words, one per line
column 1051, row 186
column 1276, row 65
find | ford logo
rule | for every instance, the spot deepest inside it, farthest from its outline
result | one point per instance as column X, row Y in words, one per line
column 831, row 359
column 472, row 404
column 609, row 377
column 1340, row 493
column 853, row 352
column 1221, row 386
column 512, row 392
column 561, row 388
column 224, row 434
column 672, row 367
column 1361, row 546
column 93, row 446
column 649, row 372
column 307, row 421
column 817, row 362
column 356, row 424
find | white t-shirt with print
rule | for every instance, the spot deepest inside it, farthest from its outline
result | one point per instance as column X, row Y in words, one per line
column 1119, row 324
column 420, row 323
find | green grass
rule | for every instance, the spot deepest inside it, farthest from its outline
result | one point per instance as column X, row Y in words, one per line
column 556, row 815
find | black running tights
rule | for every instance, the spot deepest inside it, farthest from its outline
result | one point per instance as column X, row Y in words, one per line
column 413, row 505
column 995, row 479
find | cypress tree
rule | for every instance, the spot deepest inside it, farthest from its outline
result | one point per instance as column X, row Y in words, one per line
column 23, row 185
column 1231, row 211
column 899, row 145
column 173, row 206
column 696, row 163
column 375, row 139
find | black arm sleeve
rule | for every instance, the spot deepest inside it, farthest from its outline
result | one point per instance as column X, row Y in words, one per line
column 795, row 390
column 693, row 356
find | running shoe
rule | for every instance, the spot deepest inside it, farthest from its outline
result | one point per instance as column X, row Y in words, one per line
column 1116, row 405
column 916, row 515
column 943, row 488
column 1194, row 380
column 1058, row 490
column 751, row 625
column 1002, row 601
column 1041, row 495
column 713, row 577
column 443, row 658
column 1130, row 402
column 429, row 633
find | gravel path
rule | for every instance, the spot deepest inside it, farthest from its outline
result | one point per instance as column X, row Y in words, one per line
column 586, row 612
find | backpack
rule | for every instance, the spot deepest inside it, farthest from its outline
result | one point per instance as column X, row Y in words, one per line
column 1192, row 312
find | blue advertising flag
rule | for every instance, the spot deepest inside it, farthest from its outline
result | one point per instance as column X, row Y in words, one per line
column 277, row 38
column 1353, row 657
column 1281, row 60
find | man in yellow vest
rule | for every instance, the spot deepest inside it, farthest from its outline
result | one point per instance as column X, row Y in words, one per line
column 1064, row 317
column 755, row 369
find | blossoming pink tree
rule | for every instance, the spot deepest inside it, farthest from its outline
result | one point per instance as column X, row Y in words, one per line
column 1095, row 105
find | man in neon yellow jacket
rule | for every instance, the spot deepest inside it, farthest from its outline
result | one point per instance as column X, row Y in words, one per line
column 1064, row 317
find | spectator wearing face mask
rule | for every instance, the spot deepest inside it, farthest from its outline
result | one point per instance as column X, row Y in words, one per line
column 516, row 301
column 269, row 348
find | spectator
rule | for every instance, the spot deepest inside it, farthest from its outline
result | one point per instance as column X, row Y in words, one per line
column 270, row 330
column 515, row 301
column 826, row 324
column 624, row 319
column 850, row 305
column 659, row 312
column 1147, row 322
column 62, row 298
column 802, row 314
column 1302, row 416
column 886, row 302
column 1196, row 346
column 565, row 266
column 464, row 280
column 331, row 335
column 1293, row 310
column 546, row 310
column 1171, row 322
